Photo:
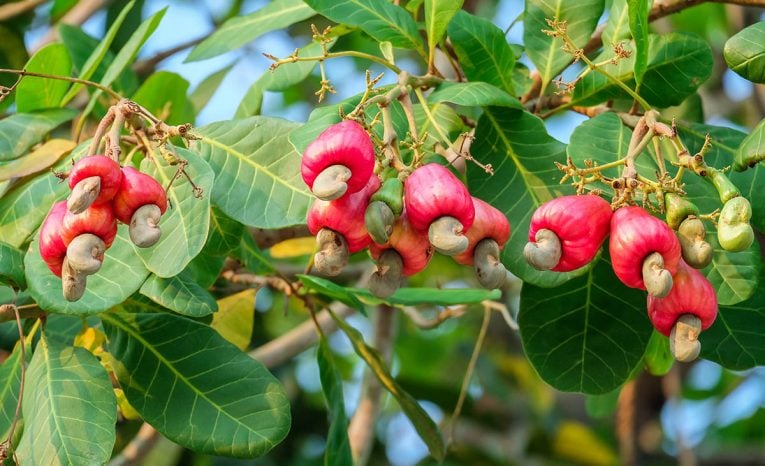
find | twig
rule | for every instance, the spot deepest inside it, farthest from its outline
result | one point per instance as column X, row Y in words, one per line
column 430, row 323
column 362, row 426
column 85, row 82
column 11, row 10
column 138, row 447
column 8, row 312
column 146, row 66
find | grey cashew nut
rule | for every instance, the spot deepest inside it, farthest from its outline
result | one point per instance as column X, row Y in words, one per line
column 83, row 194
column 696, row 251
column 445, row 234
column 144, row 226
column 684, row 339
column 72, row 282
column 333, row 252
column 545, row 253
column 387, row 278
column 657, row 279
column 379, row 219
column 331, row 183
column 491, row 273
column 86, row 253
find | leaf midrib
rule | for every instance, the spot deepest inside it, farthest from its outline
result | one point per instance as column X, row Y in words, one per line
column 135, row 334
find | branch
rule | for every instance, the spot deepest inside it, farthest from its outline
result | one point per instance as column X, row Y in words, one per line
column 11, row 10
column 8, row 312
column 147, row 66
column 76, row 16
column 138, row 447
column 362, row 426
column 267, row 238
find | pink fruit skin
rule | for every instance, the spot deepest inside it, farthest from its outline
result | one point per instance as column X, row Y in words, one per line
column 580, row 222
column 137, row 190
column 96, row 219
column 636, row 234
column 413, row 246
column 103, row 167
column 52, row 247
column 432, row 192
column 691, row 294
column 489, row 223
column 345, row 216
column 345, row 143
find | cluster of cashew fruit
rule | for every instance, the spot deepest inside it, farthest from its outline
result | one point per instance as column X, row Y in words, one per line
column 77, row 232
column 566, row 233
column 401, row 217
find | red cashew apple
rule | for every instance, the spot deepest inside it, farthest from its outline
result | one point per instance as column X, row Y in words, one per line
column 93, row 180
column 688, row 309
column 52, row 247
column 339, row 227
column 339, row 161
column 486, row 238
column 567, row 232
column 406, row 252
column 140, row 202
column 97, row 220
column 644, row 250
column 438, row 202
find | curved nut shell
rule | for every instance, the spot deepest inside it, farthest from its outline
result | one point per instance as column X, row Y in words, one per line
column 345, row 216
column 103, row 167
column 411, row 244
column 137, row 189
column 691, row 294
column 489, row 223
column 96, row 219
column 345, row 143
column 635, row 234
column 432, row 192
column 52, row 247
column 581, row 223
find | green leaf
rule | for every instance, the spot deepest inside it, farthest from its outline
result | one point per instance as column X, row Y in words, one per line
column 35, row 93
column 207, row 88
column 184, row 226
column 473, row 94
column 20, row 131
column 253, row 258
column 120, row 276
column 638, row 19
column 235, row 318
column 24, row 208
column 380, row 19
column 91, row 65
column 677, row 65
column 338, row 449
column 241, row 30
column 735, row 339
column 168, row 364
column 332, row 290
column 257, row 171
column 605, row 405
column 164, row 94
column 751, row 151
column 588, row 334
column 423, row 424
column 429, row 296
column 10, row 386
column 11, row 266
column 522, row 154
column 545, row 51
column 280, row 79
column 483, row 51
column 180, row 294
column 39, row 159
column 69, row 408
column 658, row 357
column 438, row 14
column 745, row 52
column 617, row 27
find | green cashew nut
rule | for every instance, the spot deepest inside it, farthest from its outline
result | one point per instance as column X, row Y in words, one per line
column 379, row 220
column 678, row 209
column 733, row 230
column 391, row 193
column 724, row 186
column 692, row 235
